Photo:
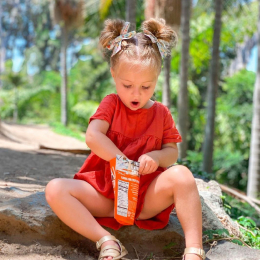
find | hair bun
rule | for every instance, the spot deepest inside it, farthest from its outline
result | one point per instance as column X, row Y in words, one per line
column 160, row 30
column 111, row 30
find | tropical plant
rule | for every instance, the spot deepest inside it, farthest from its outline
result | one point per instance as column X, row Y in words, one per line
column 69, row 14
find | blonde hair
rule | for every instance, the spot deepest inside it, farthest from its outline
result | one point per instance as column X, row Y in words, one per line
column 139, row 48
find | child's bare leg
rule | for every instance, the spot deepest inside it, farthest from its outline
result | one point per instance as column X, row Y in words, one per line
column 177, row 185
column 75, row 202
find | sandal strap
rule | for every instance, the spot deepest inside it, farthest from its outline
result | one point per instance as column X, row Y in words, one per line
column 106, row 238
column 197, row 251
column 110, row 250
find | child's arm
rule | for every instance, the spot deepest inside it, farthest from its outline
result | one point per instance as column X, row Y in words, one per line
column 165, row 157
column 98, row 142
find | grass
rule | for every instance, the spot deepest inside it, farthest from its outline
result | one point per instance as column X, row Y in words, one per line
column 70, row 130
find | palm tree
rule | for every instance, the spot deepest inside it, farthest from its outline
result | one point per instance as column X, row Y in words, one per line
column 171, row 12
column 131, row 13
column 183, row 102
column 253, row 185
column 149, row 10
column 212, row 91
column 69, row 14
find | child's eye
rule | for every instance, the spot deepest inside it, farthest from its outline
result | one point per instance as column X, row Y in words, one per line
column 145, row 87
column 127, row 86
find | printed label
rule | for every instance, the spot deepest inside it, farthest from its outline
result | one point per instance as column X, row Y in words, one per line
column 125, row 180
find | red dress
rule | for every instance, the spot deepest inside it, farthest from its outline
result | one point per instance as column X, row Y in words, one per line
column 134, row 133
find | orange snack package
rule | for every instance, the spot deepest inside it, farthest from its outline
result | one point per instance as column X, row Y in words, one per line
column 125, row 180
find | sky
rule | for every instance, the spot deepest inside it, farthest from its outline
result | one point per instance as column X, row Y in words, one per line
column 252, row 64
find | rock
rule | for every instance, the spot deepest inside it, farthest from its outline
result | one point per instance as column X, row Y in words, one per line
column 225, row 250
column 211, row 193
column 29, row 215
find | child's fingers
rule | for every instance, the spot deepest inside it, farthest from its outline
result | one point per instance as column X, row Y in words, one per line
column 144, row 167
column 152, row 168
column 141, row 166
column 147, row 169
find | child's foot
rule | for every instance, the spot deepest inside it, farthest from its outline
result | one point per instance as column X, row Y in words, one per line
column 110, row 242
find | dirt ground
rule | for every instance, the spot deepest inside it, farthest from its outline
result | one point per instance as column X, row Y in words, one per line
column 24, row 165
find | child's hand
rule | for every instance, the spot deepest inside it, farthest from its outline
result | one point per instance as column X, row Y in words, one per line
column 148, row 164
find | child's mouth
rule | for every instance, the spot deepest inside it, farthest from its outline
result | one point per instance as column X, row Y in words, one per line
column 135, row 104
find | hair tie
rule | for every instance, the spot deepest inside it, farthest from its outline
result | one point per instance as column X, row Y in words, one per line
column 160, row 43
column 116, row 43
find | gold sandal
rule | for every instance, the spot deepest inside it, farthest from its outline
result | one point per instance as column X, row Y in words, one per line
column 111, row 250
column 193, row 250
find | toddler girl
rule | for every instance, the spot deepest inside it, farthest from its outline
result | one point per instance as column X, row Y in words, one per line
column 130, row 124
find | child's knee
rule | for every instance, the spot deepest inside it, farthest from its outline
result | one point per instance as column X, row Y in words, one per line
column 181, row 175
column 53, row 189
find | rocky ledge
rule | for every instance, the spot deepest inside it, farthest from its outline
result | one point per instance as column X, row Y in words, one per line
column 26, row 215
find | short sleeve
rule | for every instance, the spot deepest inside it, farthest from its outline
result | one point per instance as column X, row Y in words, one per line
column 170, row 132
column 106, row 109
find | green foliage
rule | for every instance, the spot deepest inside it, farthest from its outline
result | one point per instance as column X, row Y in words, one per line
column 240, row 23
column 221, row 234
column 90, row 79
column 244, row 215
column 250, row 233
column 197, row 118
column 71, row 130
column 230, row 168
column 233, row 128
column 217, row 233
column 234, row 113
column 26, row 105
column 193, row 162
column 236, row 208
column 201, row 34
column 82, row 111
column 104, row 8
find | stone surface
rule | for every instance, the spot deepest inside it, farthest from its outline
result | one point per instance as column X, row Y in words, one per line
column 211, row 193
column 225, row 250
column 28, row 214
column 27, row 223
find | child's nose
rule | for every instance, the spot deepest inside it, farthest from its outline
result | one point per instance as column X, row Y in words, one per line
column 136, row 91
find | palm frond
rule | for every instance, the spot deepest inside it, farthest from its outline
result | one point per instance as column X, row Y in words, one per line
column 104, row 8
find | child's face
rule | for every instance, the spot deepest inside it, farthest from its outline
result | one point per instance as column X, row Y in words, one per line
column 134, row 84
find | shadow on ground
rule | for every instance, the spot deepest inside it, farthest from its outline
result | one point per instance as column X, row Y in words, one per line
column 37, row 167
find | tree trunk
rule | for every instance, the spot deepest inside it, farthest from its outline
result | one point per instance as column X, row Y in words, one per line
column 253, row 185
column 149, row 11
column 183, row 101
column 166, row 93
column 170, row 11
column 64, row 91
column 212, row 91
column 131, row 13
